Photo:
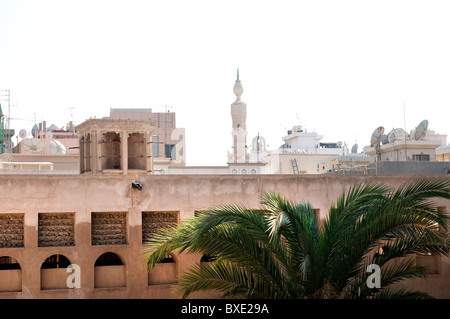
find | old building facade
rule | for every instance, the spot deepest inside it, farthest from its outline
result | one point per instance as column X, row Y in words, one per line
column 100, row 223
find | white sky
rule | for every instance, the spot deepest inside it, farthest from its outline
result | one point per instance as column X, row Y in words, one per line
column 341, row 68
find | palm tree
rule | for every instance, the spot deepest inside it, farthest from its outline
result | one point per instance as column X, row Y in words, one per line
column 283, row 251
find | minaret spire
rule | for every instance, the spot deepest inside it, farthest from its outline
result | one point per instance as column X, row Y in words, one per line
column 239, row 132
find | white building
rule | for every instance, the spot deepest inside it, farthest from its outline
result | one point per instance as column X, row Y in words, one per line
column 419, row 145
column 301, row 153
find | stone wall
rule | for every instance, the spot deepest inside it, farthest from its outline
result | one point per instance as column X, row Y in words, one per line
column 109, row 228
column 11, row 230
column 152, row 221
column 56, row 229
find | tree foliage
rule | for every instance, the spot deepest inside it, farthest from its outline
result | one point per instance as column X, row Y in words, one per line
column 282, row 250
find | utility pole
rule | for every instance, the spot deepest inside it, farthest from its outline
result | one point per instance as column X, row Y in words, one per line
column 6, row 96
column 406, row 134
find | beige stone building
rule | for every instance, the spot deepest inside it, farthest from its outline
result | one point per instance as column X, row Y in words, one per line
column 110, row 146
column 357, row 163
column 100, row 222
column 443, row 153
column 168, row 140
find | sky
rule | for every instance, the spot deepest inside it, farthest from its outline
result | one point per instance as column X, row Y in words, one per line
column 339, row 68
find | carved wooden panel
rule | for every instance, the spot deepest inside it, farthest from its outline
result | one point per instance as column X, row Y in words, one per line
column 152, row 221
column 11, row 230
column 56, row 229
column 109, row 228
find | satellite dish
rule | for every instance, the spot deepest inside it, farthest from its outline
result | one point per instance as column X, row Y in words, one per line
column 57, row 148
column 396, row 134
column 22, row 133
column 421, row 130
column 384, row 139
column 49, row 134
column 34, row 130
column 339, row 143
column 52, row 127
column 355, row 148
column 376, row 136
column 33, row 145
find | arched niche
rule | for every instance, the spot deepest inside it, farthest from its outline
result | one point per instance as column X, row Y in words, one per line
column 164, row 273
column 10, row 275
column 54, row 272
column 109, row 271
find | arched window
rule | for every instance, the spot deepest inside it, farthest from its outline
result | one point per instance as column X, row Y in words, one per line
column 10, row 275
column 53, row 272
column 8, row 263
column 109, row 271
column 207, row 258
column 164, row 273
column 55, row 261
column 108, row 259
column 167, row 260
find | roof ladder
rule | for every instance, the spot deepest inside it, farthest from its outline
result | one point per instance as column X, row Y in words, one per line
column 294, row 166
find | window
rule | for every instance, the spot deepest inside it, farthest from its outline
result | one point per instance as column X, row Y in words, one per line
column 55, row 261
column 10, row 275
column 108, row 259
column 109, row 271
column 8, row 263
column 421, row 157
column 170, row 151
column 207, row 258
column 155, row 140
column 110, row 151
column 137, row 155
column 164, row 273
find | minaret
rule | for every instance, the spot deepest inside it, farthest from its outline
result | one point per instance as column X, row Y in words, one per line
column 239, row 132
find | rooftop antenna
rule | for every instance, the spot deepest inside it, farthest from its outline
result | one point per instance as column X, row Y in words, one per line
column 404, row 123
column 6, row 96
column 71, row 119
